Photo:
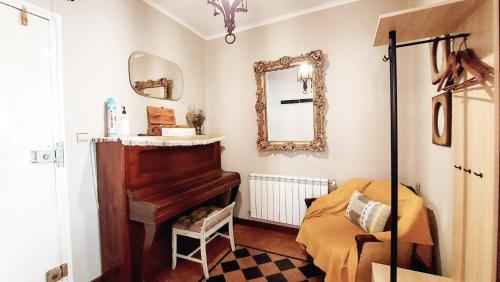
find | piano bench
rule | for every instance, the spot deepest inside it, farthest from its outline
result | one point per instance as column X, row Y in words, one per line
column 203, row 224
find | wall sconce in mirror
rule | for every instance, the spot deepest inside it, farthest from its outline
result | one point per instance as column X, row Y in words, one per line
column 155, row 77
column 304, row 75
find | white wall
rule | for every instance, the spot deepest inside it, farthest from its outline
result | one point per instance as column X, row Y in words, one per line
column 357, row 85
column 98, row 37
column 422, row 162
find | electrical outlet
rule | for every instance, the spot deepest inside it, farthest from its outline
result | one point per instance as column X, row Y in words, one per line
column 82, row 137
column 417, row 187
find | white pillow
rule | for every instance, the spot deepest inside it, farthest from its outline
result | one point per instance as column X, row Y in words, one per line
column 370, row 215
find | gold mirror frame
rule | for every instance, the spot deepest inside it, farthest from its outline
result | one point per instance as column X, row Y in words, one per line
column 140, row 86
column 316, row 59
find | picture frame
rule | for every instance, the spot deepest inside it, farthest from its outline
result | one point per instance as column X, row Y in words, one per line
column 442, row 137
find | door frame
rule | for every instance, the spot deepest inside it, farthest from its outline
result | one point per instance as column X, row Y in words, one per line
column 496, row 50
column 56, row 64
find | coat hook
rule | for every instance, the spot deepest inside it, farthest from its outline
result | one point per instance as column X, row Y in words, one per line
column 478, row 174
column 459, row 167
column 468, row 170
column 464, row 42
column 385, row 58
column 24, row 17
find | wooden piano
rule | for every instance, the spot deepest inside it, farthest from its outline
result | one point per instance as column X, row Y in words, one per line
column 144, row 183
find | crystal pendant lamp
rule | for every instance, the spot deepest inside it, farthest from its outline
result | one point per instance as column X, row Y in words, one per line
column 229, row 8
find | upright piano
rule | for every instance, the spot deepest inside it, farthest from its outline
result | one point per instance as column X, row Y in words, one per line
column 144, row 183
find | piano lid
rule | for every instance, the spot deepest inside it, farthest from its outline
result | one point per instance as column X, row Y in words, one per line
column 163, row 141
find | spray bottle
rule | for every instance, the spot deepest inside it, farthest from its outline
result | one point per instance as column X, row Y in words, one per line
column 111, row 116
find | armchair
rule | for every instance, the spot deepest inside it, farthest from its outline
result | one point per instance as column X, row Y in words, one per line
column 346, row 252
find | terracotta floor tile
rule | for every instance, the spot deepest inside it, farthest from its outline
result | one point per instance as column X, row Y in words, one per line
column 235, row 276
column 254, row 252
column 229, row 257
column 293, row 275
column 216, row 271
column 275, row 257
column 269, row 268
column 274, row 241
column 260, row 279
column 298, row 263
column 246, row 262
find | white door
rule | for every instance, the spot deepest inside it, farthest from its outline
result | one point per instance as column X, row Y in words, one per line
column 32, row 233
column 475, row 118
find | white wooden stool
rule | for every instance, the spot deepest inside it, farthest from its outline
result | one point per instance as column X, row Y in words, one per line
column 203, row 223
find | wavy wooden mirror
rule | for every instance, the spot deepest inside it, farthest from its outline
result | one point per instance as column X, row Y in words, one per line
column 290, row 103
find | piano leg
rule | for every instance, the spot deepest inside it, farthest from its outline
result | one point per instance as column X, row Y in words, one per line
column 149, row 236
column 234, row 193
column 226, row 198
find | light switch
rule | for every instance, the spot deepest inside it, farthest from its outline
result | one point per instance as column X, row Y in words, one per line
column 82, row 137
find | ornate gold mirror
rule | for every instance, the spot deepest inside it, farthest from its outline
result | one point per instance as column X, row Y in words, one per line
column 290, row 103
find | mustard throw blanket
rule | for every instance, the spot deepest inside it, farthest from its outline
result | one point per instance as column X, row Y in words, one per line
column 329, row 237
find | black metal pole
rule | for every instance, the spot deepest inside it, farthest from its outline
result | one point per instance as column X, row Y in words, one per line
column 394, row 155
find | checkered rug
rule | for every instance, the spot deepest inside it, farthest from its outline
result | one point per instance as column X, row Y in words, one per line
column 250, row 264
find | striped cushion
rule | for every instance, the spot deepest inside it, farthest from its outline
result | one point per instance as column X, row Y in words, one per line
column 194, row 221
column 371, row 216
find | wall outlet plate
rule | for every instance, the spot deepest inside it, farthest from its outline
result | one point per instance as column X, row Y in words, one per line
column 418, row 188
column 82, row 137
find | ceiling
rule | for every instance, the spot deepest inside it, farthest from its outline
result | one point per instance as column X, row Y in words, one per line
column 197, row 16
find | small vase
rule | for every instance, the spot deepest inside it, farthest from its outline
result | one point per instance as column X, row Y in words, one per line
column 198, row 130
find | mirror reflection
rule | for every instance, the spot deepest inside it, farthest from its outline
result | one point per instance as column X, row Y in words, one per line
column 290, row 104
column 155, row 77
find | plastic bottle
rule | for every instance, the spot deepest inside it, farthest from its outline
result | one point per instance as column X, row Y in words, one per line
column 111, row 116
column 124, row 123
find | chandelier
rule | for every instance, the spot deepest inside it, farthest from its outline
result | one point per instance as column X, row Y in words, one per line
column 229, row 8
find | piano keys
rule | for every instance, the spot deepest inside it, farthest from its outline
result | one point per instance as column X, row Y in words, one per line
column 143, row 188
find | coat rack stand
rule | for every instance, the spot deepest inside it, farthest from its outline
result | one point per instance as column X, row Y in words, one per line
column 393, row 46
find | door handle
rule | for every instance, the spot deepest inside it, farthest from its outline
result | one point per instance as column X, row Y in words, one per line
column 43, row 156
column 49, row 156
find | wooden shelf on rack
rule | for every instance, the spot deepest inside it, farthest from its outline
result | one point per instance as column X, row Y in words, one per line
column 381, row 273
column 424, row 21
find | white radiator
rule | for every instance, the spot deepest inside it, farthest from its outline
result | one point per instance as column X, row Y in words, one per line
column 281, row 198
